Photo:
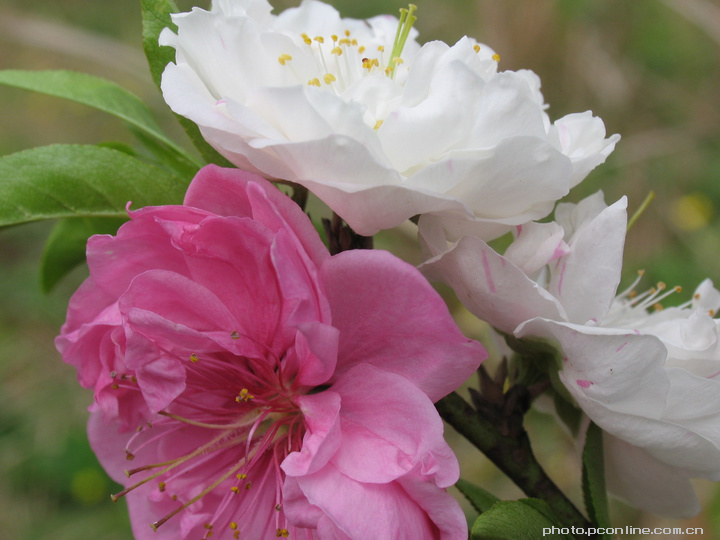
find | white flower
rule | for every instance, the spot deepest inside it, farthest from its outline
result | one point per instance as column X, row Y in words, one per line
column 380, row 132
column 567, row 270
column 651, row 380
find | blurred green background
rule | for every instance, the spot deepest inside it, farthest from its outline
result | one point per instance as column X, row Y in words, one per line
column 649, row 68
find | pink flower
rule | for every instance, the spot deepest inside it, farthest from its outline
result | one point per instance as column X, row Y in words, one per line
column 260, row 387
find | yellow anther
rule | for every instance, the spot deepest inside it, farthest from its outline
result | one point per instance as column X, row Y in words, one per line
column 248, row 485
column 388, row 71
column 378, row 124
column 236, row 535
column 334, row 38
column 354, row 42
column 241, row 476
column 381, row 48
column 476, row 47
column 696, row 296
column 114, row 386
column 194, row 359
column 397, row 60
column 345, row 41
column 347, row 33
column 329, row 78
column 235, row 489
column 233, row 525
column 129, row 455
column 161, row 486
column 496, row 57
column 678, row 288
column 278, row 507
column 314, row 82
column 284, row 59
column 244, row 395
column 711, row 312
column 361, row 49
column 234, row 334
column 284, row 533
column 337, row 51
column 306, row 39
column 208, row 526
column 319, row 39
column 658, row 307
column 661, row 286
column 174, row 497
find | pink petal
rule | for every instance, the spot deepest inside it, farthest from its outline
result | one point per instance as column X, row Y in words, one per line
column 405, row 328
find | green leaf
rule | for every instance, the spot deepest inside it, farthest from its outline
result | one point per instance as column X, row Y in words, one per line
column 481, row 500
column 80, row 181
column 94, row 92
column 593, row 479
column 65, row 248
column 529, row 519
column 156, row 17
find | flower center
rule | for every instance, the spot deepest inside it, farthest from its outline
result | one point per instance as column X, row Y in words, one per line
column 342, row 60
column 630, row 306
column 226, row 435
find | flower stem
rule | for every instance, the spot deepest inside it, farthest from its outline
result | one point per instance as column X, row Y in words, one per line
column 507, row 445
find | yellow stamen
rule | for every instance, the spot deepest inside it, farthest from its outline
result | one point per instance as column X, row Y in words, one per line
column 233, row 525
column 378, row 124
column 319, row 39
column 314, row 82
column 194, row 359
column 306, row 39
column 336, row 51
column 476, row 47
column 244, row 395
column 284, row 59
column 329, row 78
column 284, row 533
column 496, row 57
column 199, row 496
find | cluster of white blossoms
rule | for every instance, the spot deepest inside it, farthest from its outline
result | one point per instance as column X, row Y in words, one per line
column 383, row 129
column 648, row 376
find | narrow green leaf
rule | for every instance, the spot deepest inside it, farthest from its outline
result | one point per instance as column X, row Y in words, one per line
column 529, row 519
column 65, row 248
column 568, row 412
column 593, row 479
column 80, row 181
column 165, row 157
column 156, row 17
column 94, row 92
column 481, row 500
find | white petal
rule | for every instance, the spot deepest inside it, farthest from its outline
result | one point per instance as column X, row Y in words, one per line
column 585, row 281
column 642, row 481
column 490, row 286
